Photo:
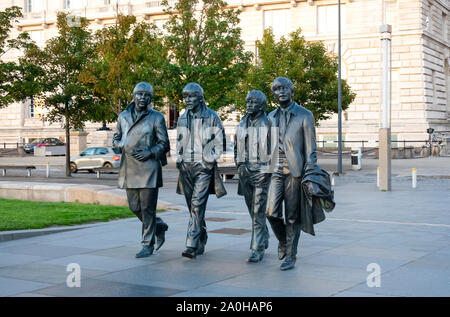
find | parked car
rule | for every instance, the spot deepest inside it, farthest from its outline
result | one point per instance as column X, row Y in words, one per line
column 29, row 148
column 95, row 157
column 227, row 160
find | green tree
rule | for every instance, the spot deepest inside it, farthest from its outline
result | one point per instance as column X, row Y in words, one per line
column 62, row 60
column 125, row 54
column 16, row 77
column 204, row 43
column 312, row 70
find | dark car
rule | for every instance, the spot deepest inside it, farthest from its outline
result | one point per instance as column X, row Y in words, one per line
column 29, row 148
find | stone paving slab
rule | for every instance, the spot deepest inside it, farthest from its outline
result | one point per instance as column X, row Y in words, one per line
column 45, row 273
column 406, row 232
column 97, row 262
column 12, row 286
column 45, row 250
column 96, row 288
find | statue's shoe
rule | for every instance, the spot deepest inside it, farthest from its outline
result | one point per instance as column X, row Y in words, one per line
column 201, row 249
column 256, row 256
column 281, row 250
column 145, row 252
column 161, row 236
column 189, row 253
column 288, row 263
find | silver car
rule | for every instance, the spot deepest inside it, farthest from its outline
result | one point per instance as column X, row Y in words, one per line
column 95, row 157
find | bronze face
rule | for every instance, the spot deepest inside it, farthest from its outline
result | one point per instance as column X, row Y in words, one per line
column 142, row 96
column 253, row 105
column 282, row 91
column 192, row 99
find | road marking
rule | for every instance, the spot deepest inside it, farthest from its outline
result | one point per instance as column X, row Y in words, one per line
column 355, row 220
column 392, row 222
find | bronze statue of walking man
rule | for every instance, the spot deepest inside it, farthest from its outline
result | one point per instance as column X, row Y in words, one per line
column 141, row 137
column 200, row 142
column 252, row 155
column 296, row 155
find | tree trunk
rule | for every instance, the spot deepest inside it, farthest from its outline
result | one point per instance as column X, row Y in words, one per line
column 67, row 127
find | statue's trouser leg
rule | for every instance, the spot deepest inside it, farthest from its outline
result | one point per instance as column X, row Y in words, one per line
column 254, row 185
column 292, row 190
column 260, row 231
column 142, row 202
column 159, row 225
column 196, row 180
column 274, row 208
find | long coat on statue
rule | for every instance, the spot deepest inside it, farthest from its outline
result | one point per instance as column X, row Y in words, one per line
column 149, row 132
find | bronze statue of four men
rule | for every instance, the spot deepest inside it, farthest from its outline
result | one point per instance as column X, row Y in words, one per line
column 275, row 155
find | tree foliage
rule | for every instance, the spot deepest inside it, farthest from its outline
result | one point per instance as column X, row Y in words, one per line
column 205, row 46
column 16, row 77
column 61, row 61
column 312, row 70
column 125, row 54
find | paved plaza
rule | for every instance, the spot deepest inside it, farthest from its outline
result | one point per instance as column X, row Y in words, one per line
column 405, row 233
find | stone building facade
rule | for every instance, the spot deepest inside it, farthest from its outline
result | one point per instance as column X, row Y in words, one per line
column 420, row 58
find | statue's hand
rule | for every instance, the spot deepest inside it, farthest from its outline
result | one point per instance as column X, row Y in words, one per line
column 310, row 188
column 141, row 154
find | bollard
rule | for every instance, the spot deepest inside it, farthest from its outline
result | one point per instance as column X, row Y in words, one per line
column 332, row 179
column 48, row 170
column 414, row 178
column 378, row 177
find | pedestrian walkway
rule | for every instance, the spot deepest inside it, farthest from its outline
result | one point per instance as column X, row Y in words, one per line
column 404, row 233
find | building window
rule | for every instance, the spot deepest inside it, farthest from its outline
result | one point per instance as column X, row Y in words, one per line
column 433, row 83
column 31, row 107
column 75, row 4
column 34, row 6
column 390, row 12
column 38, row 37
column 444, row 27
column 328, row 18
column 279, row 21
column 395, row 89
column 447, row 86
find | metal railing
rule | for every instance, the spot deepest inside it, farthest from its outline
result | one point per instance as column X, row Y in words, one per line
column 363, row 143
column 11, row 145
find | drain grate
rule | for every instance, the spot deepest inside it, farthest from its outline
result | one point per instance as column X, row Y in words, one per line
column 231, row 231
column 217, row 219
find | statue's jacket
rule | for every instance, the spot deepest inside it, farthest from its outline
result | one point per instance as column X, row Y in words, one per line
column 301, row 156
column 243, row 141
column 148, row 131
column 316, row 201
column 211, row 128
column 299, row 139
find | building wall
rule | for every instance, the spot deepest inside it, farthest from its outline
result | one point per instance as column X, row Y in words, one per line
column 420, row 57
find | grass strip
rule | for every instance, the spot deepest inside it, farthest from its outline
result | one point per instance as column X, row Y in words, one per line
column 24, row 214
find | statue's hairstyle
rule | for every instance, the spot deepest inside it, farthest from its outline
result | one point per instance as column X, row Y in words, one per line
column 285, row 81
column 143, row 86
column 194, row 87
column 259, row 96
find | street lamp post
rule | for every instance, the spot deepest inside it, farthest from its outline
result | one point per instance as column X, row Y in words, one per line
column 339, row 94
column 385, row 130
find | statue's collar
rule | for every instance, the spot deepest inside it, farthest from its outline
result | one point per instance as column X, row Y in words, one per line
column 203, row 112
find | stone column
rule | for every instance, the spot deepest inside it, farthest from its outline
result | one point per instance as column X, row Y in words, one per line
column 78, row 142
column 384, row 158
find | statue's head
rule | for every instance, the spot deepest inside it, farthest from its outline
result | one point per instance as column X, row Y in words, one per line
column 256, row 102
column 193, row 96
column 283, row 90
column 142, row 95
